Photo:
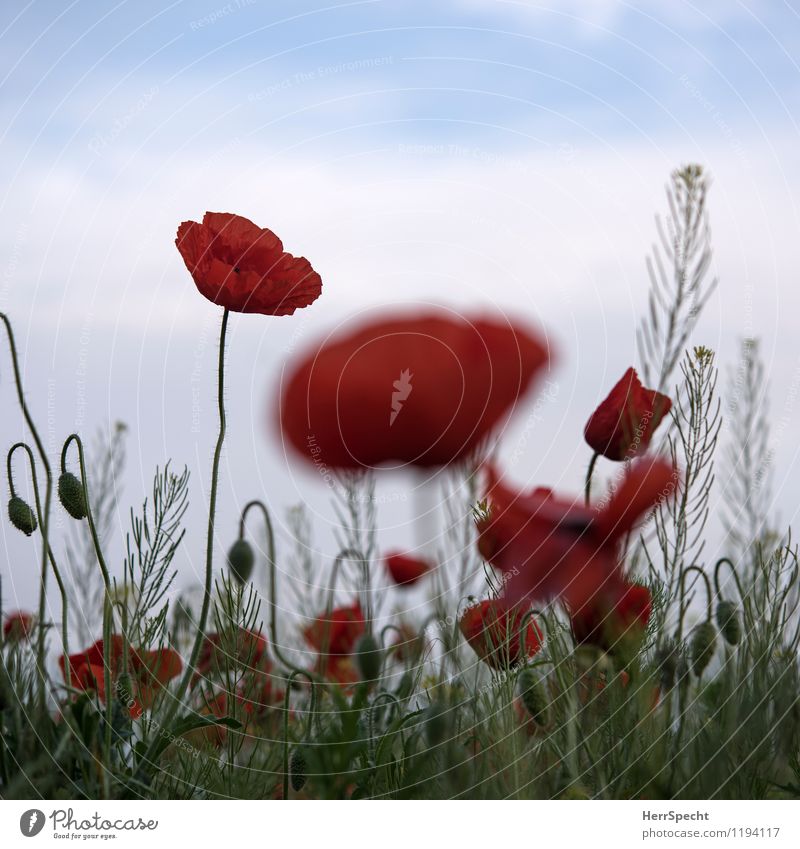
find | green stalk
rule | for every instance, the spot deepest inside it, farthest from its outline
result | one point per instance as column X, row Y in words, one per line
column 108, row 605
column 183, row 686
column 62, row 589
column 48, row 493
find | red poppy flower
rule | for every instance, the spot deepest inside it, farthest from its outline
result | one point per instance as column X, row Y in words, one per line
column 335, row 637
column 17, row 626
column 406, row 570
column 494, row 631
column 243, row 268
column 149, row 671
column 422, row 389
column 615, row 618
column 623, row 425
column 550, row 546
column 338, row 633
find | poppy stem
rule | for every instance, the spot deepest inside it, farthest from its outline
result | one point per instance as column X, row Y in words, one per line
column 48, row 493
column 108, row 607
column 709, row 594
column 297, row 673
column 62, row 589
column 188, row 673
column 589, row 473
column 273, row 590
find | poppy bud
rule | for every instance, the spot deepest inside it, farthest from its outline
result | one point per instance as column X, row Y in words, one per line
column 368, row 658
column 533, row 696
column 704, row 644
column 21, row 515
column 728, row 622
column 70, row 494
column 436, row 723
column 298, row 768
column 241, row 559
column 667, row 659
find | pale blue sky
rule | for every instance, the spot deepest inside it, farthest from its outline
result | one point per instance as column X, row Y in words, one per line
column 470, row 153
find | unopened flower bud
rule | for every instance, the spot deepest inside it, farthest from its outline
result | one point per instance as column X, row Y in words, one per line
column 298, row 768
column 728, row 622
column 21, row 515
column 368, row 658
column 70, row 494
column 241, row 559
column 533, row 696
column 667, row 659
column 704, row 644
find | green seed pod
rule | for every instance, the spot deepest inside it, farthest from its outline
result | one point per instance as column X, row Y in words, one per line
column 298, row 768
column 728, row 622
column 368, row 658
column 704, row 644
column 437, row 722
column 533, row 696
column 21, row 515
column 241, row 559
column 70, row 494
column 667, row 659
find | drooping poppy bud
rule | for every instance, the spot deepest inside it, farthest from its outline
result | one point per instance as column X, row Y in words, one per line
column 368, row 658
column 703, row 646
column 533, row 696
column 667, row 658
column 70, row 494
column 298, row 768
column 241, row 560
column 21, row 516
column 728, row 622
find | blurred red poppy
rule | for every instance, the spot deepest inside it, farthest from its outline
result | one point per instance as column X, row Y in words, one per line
column 550, row 546
column 406, row 570
column 615, row 618
column 244, row 268
column 150, row 670
column 335, row 637
column 422, row 389
column 623, row 425
column 17, row 626
column 495, row 632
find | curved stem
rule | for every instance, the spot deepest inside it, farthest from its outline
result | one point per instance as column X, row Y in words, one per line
column 709, row 595
column 48, row 493
column 311, row 711
column 273, row 583
column 62, row 589
column 727, row 561
column 588, row 484
column 344, row 554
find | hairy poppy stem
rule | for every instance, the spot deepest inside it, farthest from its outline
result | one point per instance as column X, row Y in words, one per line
column 297, row 673
column 45, row 522
column 589, row 473
column 709, row 595
column 209, row 576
